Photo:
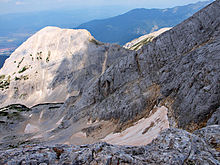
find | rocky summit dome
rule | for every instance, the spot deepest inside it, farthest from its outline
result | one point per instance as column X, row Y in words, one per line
column 54, row 64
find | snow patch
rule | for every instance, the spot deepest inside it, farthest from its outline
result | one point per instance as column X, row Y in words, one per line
column 60, row 121
column 41, row 115
column 79, row 135
column 104, row 63
column 31, row 128
column 143, row 132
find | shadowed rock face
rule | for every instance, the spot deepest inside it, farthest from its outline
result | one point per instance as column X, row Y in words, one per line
column 188, row 67
column 178, row 71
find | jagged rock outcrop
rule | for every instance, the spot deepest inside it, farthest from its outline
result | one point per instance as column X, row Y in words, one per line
column 136, row 44
column 172, row 146
column 54, row 64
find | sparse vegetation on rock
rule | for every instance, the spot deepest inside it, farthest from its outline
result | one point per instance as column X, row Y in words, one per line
column 2, row 77
column 141, row 43
column 48, row 56
column 4, row 84
column 39, row 56
column 23, row 69
column 23, row 96
column 94, row 41
column 24, row 77
column 17, row 107
column 20, row 62
column 17, row 78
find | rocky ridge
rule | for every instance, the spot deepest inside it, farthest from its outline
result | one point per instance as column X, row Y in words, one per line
column 137, row 43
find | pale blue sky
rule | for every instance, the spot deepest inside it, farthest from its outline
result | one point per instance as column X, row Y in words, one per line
column 13, row 6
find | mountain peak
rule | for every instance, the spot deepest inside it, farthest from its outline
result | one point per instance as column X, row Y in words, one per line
column 50, row 42
column 42, row 66
column 54, row 29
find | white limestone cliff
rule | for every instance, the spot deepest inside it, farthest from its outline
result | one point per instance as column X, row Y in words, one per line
column 52, row 65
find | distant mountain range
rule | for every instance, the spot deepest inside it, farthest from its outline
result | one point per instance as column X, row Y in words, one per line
column 18, row 27
column 135, row 23
column 34, row 21
column 2, row 60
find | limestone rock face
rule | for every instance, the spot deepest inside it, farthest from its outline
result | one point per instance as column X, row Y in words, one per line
column 180, row 69
column 54, row 64
column 172, row 146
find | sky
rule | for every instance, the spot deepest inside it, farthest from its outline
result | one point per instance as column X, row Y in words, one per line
column 14, row 6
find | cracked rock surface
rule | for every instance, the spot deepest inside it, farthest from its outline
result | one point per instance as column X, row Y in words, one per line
column 173, row 146
column 180, row 69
